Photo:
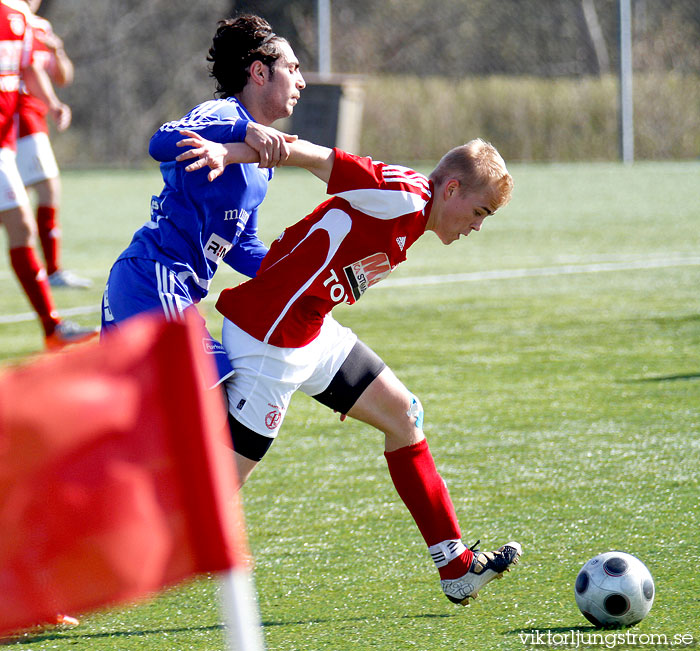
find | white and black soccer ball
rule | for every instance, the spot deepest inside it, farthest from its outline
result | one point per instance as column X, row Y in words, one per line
column 614, row 589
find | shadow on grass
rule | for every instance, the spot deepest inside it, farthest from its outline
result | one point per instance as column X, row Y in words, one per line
column 352, row 619
column 666, row 378
column 76, row 634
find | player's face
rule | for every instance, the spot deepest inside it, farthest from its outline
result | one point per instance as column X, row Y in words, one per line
column 284, row 87
column 460, row 215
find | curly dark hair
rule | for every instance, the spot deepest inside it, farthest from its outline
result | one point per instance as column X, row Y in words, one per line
column 237, row 43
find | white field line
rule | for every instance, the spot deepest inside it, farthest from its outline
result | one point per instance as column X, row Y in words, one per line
column 560, row 270
column 474, row 276
column 69, row 311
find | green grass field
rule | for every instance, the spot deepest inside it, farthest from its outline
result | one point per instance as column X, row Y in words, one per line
column 559, row 368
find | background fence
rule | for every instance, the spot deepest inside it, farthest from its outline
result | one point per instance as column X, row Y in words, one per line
column 537, row 77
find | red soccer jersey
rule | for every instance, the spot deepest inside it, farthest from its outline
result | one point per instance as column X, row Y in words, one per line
column 32, row 111
column 15, row 50
column 349, row 243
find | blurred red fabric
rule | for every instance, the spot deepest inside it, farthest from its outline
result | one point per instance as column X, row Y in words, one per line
column 116, row 477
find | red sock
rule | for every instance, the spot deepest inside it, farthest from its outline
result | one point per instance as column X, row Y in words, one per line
column 425, row 494
column 49, row 236
column 32, row 277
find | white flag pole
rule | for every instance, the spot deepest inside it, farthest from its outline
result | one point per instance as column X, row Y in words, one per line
column 240, row 609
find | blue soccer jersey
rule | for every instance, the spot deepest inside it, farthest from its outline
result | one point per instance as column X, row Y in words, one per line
column 195, row 223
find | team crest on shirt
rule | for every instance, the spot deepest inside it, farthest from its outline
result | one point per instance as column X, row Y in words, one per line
column 216, row 248
column 366, row 272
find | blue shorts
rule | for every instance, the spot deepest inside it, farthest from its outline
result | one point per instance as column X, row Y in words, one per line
column 136, row 286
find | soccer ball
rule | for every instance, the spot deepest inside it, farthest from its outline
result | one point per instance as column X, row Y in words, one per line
column 614, row 589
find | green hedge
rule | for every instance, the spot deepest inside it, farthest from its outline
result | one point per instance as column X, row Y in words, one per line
column 530, row 119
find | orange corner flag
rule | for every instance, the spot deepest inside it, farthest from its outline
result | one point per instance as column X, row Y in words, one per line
column 115, row 477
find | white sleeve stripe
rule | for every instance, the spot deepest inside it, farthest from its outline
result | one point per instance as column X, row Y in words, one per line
column 403, row 171
column 384, row 204
column 197, row 123
column 400, row 169
column 424, row 187
column 405, row 175
column 200, row 116
column 392, row 173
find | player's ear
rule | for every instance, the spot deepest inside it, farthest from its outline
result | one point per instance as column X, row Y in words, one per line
column 451, row 188
column 257, row 72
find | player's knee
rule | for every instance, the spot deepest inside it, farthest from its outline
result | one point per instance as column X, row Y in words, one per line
column 20, row 232
column 415, row 412
column 48, row 191
column 407, row 425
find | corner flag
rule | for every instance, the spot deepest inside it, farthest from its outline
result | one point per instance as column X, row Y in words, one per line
column 115, row 477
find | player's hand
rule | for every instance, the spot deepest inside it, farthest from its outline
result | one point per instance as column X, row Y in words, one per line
column 270, row 144
column 207, row 154
column 61, row 115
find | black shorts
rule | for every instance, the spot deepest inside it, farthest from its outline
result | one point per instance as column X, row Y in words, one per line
column 360, row 368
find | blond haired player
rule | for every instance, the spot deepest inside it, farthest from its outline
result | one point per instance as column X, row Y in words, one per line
column 280, row 336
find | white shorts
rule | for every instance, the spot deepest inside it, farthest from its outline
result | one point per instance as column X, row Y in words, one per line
column 265, row 377
column 35, row 159
column 12, row 192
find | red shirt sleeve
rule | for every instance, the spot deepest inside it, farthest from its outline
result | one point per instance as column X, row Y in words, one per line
column 352, row 172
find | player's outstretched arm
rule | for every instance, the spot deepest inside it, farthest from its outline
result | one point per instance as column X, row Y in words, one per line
column 217, row 156
column 315, row 158
column 272, row 145
column 204, row 153
column 221, row 126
